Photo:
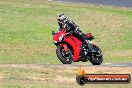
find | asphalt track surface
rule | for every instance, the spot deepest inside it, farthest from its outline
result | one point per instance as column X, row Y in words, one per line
column 118, row 3
column 127, row 64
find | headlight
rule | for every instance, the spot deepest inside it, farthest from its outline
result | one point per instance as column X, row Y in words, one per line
column 61, row 37
column 55, row 41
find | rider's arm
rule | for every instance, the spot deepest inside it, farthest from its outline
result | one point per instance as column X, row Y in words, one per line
column 75, row 28
column 73, row 25
column 72, row 28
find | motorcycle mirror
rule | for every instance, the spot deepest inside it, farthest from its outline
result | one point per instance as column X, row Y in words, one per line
column 53, row 32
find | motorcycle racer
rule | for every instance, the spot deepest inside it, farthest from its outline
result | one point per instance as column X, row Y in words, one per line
column 72, row 28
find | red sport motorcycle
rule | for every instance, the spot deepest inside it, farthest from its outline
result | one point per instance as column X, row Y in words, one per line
column 71, row 49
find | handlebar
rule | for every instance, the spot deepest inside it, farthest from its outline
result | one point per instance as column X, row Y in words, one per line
column 53, row 32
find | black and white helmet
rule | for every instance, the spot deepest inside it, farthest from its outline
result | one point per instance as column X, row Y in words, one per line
column 62, row 17
column 62, row 20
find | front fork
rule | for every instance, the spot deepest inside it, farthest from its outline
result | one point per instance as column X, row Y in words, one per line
column 65, row 47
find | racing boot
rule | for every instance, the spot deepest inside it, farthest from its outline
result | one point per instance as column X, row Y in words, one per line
column 87, row 43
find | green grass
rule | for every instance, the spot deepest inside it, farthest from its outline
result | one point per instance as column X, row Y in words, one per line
column 26, row 25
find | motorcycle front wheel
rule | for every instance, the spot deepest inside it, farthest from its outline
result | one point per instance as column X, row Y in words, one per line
column 64, row 57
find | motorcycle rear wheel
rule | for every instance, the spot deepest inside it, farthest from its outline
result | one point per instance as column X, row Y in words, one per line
column 97, row 60
column 65, row 58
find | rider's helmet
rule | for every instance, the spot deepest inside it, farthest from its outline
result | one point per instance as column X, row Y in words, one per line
column 62, row 20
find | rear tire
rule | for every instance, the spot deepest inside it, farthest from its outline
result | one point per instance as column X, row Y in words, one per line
column 61, row 57
column 97, row 60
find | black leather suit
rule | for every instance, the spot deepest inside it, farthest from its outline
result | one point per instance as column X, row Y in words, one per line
column 71, row 27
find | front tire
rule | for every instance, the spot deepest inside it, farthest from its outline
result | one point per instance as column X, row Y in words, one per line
column 65, row 58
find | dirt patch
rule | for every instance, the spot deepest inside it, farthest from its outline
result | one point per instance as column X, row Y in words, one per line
column 109, row 70
column 54, row 76
column 1, row 76
column 69, row 69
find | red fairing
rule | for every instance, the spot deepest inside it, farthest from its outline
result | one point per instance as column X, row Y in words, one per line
column 76, row 44
column 56, row 36
column 71, row 40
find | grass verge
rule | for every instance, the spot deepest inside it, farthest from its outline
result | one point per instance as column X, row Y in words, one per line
column 26, row 25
